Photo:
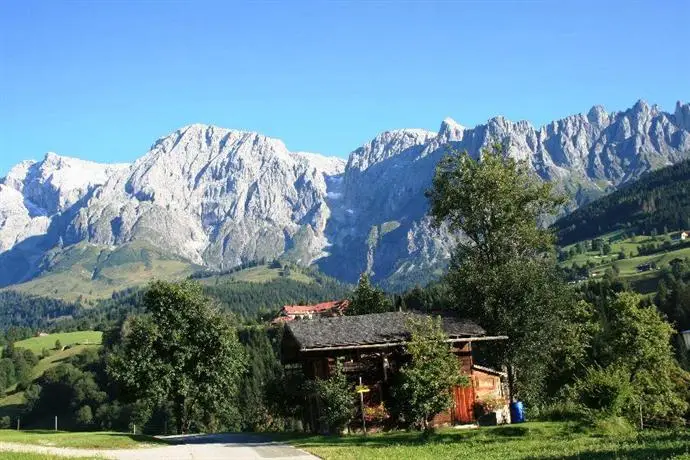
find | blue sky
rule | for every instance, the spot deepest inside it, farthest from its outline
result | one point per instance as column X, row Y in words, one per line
column 102, row 80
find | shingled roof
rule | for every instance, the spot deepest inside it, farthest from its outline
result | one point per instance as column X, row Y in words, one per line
column 379, row 328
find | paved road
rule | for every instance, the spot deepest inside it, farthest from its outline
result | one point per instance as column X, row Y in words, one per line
column 196, row 447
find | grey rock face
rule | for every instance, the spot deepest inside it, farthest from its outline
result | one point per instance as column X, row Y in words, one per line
column 214, row 196
column 585, row 155
column 33, row 193
column 220, row 197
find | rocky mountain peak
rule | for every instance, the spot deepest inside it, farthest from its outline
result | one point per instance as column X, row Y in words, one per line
column 451, row 130
column 386, row 145
column 682, row 115
column 597, row 115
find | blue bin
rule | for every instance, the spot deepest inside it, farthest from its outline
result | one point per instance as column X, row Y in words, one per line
column 517, row 412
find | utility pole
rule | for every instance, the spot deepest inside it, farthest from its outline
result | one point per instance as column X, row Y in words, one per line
column 361, row 403
column 641, row 419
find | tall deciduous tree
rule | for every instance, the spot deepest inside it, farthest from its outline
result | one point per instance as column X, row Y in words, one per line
column 426, row 382
column 503, row 271
column 183, row 351
column 368, row 299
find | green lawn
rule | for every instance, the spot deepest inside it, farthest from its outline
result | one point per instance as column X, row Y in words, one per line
column 37, row 344
column 93, row 440
column 29, row 456
column 535, row 440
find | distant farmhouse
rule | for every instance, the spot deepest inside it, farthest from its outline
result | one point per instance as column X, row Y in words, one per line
column 644, row 267
column 681, row 236
column 295, row 312
column 373, row 350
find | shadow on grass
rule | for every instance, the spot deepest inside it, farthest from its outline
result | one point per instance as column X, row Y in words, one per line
column 648, row 444
column 628, row 453
column 407, row 438
column 140, row 438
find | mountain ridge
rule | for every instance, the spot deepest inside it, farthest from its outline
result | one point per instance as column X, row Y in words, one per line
column 219, row 197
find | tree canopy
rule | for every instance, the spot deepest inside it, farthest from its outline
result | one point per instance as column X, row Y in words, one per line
column 184, row 350
column 503, row 272
column 367, row 298
column 496, row 203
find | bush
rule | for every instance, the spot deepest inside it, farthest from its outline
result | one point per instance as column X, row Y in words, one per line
column 376, row 414
column 612, row 426
column 337, row 401
column 423, row 386
column 604, row 392
column 556, row 412
column 84, row 416
column 5, row 422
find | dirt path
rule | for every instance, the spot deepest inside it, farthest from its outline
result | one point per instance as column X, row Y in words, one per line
column 200, row 447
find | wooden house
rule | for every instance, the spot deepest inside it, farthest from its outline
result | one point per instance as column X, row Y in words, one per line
column 372, row 348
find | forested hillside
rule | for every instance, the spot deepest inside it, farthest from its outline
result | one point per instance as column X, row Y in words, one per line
column 658, row 202
column 19, row 309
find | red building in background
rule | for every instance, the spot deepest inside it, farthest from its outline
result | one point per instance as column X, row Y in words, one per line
column 324, row 309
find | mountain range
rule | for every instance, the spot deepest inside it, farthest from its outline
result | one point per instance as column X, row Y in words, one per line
column 214, row 198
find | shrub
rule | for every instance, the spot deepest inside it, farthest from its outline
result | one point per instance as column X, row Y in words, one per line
column 376, row 414
column 423, row 387
column 4, row 422
column 612, row 426
column 337, row 400
column 556, row 412
column 604, row 391
column 84, row 416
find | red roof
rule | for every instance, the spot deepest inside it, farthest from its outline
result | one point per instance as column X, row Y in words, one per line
column 318, row 308
column 288, row 312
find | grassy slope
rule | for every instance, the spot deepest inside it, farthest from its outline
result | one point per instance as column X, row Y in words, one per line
column 536, row 440
column 37, row 344
column 260, row 274
column 91, row 272
column 628, row 266
column 13, row 404
column 94, row 440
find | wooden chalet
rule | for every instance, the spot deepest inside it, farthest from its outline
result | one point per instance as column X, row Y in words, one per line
column 373, row 349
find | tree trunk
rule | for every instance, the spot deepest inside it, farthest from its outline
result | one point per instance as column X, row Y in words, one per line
column 180, row 415
column 511, row 383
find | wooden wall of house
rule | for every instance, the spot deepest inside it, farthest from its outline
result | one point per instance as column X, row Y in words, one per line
column 487, row 385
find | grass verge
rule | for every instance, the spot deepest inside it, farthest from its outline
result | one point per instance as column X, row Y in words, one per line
column 534, row 440
column 86, row 440
column 32, row 456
